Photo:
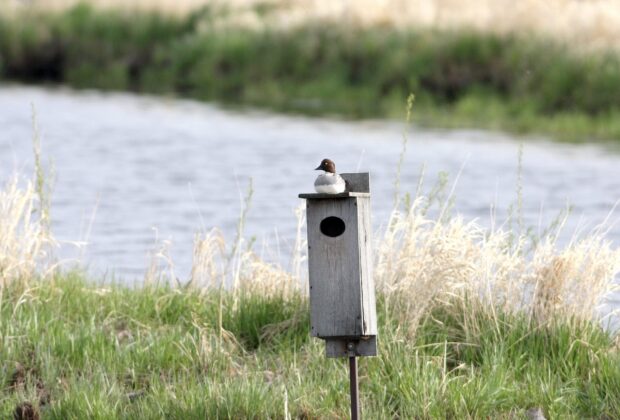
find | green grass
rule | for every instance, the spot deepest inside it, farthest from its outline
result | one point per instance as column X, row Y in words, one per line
column 459, row 78
column 76, row 350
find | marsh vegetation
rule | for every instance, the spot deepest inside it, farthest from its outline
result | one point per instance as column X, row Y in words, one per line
column 468, row 77
column 473, row 323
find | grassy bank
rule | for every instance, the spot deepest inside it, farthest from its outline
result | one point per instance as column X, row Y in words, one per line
column 460, row 78
column 473, row 323
column 75, row 350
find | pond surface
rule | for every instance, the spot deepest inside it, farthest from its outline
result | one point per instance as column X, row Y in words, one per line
column 130, row 170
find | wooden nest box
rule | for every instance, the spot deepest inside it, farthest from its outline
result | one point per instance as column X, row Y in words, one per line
column 342, row 294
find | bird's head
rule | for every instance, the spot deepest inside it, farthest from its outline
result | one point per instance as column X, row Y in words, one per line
column 327, row 165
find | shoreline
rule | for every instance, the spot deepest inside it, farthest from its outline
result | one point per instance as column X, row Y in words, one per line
column 461, row 79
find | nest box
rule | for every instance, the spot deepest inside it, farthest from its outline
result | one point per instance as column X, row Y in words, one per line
column 342, row 294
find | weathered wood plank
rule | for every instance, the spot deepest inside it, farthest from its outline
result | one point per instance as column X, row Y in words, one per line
column 368, row 305
column 334, row 267
column 357, row 182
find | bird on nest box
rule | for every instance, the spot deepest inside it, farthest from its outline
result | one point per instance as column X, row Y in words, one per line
column 329, row 182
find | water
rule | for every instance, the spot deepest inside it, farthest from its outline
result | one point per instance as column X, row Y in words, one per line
column 131, row 170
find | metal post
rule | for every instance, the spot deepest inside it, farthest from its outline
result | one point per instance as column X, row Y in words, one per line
column 355, row 410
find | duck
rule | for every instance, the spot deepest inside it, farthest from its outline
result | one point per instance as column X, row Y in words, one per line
column 329, row 182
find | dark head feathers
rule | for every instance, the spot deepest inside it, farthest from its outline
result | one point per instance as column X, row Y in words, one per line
column 327, row 165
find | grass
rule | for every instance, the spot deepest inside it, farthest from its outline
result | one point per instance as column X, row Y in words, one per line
column 461, row 78
column 26, row 244
column 473, row 324
column 73, row 350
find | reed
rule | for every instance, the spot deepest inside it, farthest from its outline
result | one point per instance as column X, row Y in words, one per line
column 26, row 240
column 22, row 238
column 423, row 263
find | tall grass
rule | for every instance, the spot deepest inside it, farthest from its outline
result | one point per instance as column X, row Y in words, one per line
column 472, row 323
column 423, row 262
column 26, row 240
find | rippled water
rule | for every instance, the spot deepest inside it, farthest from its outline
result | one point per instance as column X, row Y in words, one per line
column 130, row 168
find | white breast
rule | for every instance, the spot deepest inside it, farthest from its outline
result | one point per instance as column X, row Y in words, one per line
column 329, row 184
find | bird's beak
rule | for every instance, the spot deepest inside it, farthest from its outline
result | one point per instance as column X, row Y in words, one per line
column 318, row 168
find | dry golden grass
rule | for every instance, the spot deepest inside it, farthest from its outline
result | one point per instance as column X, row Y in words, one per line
column 421, row 262
column 25, row 241
column 589, row 23
column 216, row 265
